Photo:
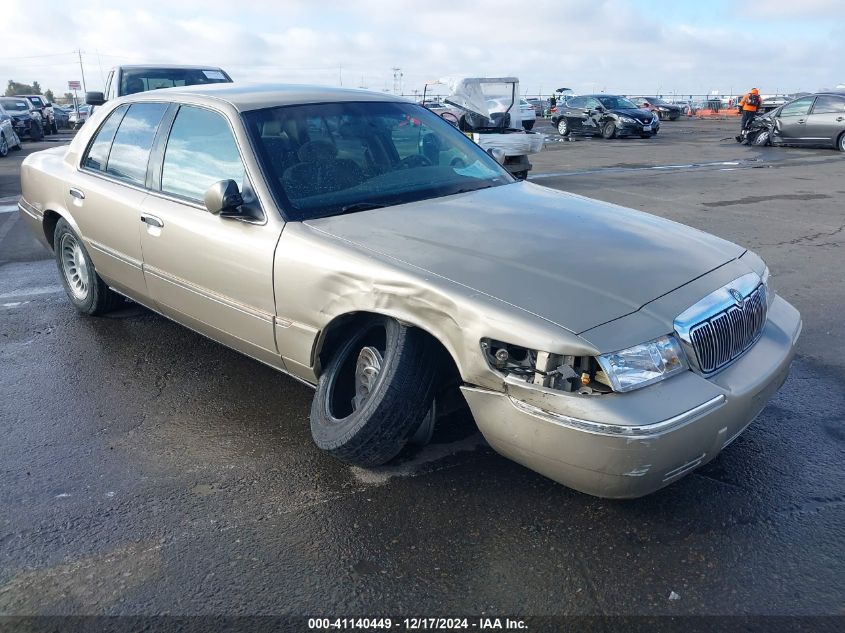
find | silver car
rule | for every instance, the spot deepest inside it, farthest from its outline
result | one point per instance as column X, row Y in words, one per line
column 361, row 244
column 8, row 137
column 816, row 120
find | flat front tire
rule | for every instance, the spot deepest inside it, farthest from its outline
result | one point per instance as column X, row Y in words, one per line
column 87, row 292
column 375, row 392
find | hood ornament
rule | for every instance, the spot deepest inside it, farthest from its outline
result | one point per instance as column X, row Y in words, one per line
column 737, row 297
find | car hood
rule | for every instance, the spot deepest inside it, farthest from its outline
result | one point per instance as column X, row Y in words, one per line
column 571, row 260
column 636, row 113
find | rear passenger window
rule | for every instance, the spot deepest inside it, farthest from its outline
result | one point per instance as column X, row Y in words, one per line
column 130, row 150
column 826, row 104
column 200, row 151
column 98, row 153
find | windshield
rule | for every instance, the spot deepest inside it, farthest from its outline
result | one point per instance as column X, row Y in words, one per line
column 15, row 105
column 617, row 103
column 657, row 101
column 331, row 158
column 134, row 80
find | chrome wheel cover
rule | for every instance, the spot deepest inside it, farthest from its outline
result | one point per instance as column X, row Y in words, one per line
column 562, row 128
column 74, row 267
column 367, row 370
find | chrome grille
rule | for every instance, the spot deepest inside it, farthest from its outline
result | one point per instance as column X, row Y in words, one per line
column 725, row 335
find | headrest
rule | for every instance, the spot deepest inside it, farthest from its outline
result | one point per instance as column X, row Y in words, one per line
column 271, row 128
column 316, row 151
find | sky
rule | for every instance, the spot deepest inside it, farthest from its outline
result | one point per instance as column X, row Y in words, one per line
column 624, row 46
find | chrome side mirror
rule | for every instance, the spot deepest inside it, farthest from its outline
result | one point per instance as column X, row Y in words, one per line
column 223, row 197
column 497, row 154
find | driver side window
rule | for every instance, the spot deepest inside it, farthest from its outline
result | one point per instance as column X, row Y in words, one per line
column 797, row 108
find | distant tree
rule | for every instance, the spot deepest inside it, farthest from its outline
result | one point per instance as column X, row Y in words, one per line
column 48, row 94
column 15, row 88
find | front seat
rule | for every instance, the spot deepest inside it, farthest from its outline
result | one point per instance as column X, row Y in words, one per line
column 320, row 171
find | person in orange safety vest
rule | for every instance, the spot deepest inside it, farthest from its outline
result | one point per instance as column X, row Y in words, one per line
column 750, row 104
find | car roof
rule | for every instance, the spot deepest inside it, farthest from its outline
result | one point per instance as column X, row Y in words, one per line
column 170, row 66
column 246, row 97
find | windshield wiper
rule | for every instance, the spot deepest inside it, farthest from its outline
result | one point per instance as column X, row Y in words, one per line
column 361, row 206
column 469, row 189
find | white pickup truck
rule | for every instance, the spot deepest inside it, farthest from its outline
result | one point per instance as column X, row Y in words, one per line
column 131, row 79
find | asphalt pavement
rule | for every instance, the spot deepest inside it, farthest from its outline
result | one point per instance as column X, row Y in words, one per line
column 147, row 470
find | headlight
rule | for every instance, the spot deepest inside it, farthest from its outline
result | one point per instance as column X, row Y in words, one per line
column 663, row 109
column 644, row 364
column 627, row 119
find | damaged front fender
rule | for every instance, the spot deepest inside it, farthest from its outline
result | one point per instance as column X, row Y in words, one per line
column 319, row 278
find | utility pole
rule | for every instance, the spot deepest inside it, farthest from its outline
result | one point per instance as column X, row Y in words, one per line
column 340, row 73
column 81, row 70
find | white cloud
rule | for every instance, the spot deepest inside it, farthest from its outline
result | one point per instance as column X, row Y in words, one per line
column 587, row 45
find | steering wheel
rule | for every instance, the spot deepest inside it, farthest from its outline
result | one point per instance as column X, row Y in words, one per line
column 414, row 160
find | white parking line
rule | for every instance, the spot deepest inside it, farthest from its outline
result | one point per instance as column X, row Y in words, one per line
column 32, row 292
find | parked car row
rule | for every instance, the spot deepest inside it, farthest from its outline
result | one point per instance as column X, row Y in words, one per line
column 29, row 117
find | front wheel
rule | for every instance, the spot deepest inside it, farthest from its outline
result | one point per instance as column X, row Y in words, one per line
column 36, row 133
column 841, row 144
column 528, row 124
column 87, row 292
column 376, row 391
column 4, row 146
column 762, row 138
column 563, row 127
column 609, row 130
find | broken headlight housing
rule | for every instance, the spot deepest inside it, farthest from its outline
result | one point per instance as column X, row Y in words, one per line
column 561, row 372
column 766, row 279
column 644, row 364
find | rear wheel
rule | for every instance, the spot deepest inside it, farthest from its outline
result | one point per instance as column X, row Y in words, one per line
column 609, row 130
column 563, row 127
column 375, row 393
column 87, row 292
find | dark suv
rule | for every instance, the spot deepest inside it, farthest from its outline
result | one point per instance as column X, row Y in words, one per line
column 606, row 115
column 45, row 109
column 26, row 118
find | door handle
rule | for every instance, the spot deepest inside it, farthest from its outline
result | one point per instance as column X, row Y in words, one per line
column 152, row 221
column 77, row 193
column 802, row 120
column 839, row 119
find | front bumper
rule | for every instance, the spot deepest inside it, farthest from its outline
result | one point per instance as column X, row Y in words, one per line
column 636, row 443
column 638, row 128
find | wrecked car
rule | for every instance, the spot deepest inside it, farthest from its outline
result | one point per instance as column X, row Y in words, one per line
column 361, row 244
